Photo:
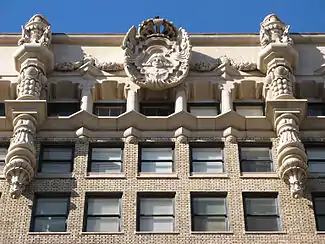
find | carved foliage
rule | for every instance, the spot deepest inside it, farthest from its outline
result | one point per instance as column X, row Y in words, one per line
column 30, row 82
column 36, row 30
column 273, row 30
column 292, row 159
column 158, row 56
column 280, row 82
column 21, row 156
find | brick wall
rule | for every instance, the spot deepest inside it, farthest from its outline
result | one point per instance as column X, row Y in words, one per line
column 296, row 214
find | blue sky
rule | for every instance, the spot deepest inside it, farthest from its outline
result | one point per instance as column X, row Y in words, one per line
column 205, row 16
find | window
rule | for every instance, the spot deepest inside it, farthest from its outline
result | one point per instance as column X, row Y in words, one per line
column 56, row 159
column 256, row 159
column 261, row 213
column 3, row 154
column 112, row 109
column 209, row 212
column 156, row 160
column 105, row 160
column 204, row 109
column 250, row 109
column 319, row 210
column 206, row 160
column 62, row 109
column 103, row 214
column 156, row 214
column 150, row 109
column 315, row 109
column 50, row 214
column 2, row 109
column 316, row 160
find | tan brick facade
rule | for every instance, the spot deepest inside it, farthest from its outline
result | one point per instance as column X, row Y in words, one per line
column 297, row 215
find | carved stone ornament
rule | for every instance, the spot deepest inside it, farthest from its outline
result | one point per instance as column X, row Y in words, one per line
column 292, row 159
column 36, row 30
column 158, row 56
column 280, row 82
column 30, row 82
column 101, row 65
column 273, row 30
column 21, row 157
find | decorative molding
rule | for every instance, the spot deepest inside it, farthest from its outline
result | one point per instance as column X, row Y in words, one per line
column 273, row 30
column 36, row 30
column 158, row 56
column 88, row 59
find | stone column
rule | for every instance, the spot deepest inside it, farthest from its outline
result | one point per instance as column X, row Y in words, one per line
column 86, row 98
column 132, row 98
column 32, row 59
column 277, row 59
column 181, row 98
column 226, row 99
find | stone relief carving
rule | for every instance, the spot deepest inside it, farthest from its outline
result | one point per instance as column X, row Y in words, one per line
column 157, row 57
column 273, row 30
column 279, row 82
column 30, row 82
column 36, row 30
column 21, row 156
column 291, row 153
column 104, row 66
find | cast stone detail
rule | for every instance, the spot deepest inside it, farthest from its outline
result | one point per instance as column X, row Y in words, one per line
column 273, row 30
column 36, row 30
column 158, row 56
column 291, row 153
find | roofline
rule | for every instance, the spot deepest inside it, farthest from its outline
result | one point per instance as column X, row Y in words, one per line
column 196, row 39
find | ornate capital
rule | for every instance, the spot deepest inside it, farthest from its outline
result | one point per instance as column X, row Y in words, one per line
column 273, row 30
column 36, row 30
column 158, row 56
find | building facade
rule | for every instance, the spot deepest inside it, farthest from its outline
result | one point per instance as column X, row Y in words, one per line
column 157, row 136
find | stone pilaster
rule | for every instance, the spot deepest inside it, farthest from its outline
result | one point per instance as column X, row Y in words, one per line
column 33, row 60
column 278, row 59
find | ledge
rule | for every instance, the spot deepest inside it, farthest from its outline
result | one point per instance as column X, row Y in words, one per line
column 320, row 232
column 259, row 175
column 212, row 232
column 49, row 233
column 105, row 176
column 265, row 232
column 157, row 176
column 208, row 176
column 156, row 233
column 101, row 233
column 54, row 176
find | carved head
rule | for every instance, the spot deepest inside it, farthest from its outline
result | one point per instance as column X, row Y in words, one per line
column 274, row 30
column 157, row 56
column 36, row 30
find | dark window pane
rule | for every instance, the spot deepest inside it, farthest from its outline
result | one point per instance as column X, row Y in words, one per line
column 320, row 222
column 62, row 109
column 319, row 205
column 315, row 110
column 262, row 223
column 202, row 223
column 50, row 224
column 109, row 109
column 2, row 109
column 157, row 110
column 261, row 206
column 257, row 166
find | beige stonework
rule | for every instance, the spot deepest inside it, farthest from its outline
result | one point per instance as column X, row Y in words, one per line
column 270, row 67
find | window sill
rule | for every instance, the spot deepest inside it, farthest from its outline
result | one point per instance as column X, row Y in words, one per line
column 220, row 176
column 49, row 233
column 265, row 232
column 316, row 176
column 212, row 232
column 247, row 175
column 55, row 176
column 321, row 232
column 102, row 233
column 156, row 233
column 105, row 175
column 157, row 176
